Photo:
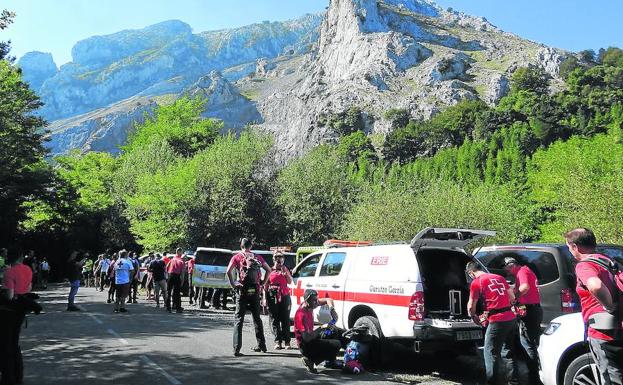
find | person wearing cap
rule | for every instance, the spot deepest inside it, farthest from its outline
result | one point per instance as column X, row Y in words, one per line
column 247, row 287
column 314, row 348
column 279, row 303
column 527, row 294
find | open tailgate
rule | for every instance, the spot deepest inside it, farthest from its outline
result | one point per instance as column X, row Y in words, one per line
column 443, row 237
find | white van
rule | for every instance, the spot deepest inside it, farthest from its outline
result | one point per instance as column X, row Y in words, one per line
column 416, row 294
column 210, row 267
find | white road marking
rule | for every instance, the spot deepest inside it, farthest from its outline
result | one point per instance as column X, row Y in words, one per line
column 94, row 317
column 115, row 334
column 170, row 378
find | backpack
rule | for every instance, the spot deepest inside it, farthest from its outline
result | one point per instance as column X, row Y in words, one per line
column 607, row 321
column 354, row 355
column 250, row 271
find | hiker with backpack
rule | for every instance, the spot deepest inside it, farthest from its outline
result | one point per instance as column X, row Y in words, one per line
column 599, row 286
column 247, row 288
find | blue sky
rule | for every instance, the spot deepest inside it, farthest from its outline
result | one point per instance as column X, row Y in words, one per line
column 56, row 25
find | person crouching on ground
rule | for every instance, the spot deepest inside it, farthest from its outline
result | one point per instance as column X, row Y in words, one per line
column 314, row 348
column 278, row 295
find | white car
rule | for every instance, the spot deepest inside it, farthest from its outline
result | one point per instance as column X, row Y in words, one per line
column 565, row 358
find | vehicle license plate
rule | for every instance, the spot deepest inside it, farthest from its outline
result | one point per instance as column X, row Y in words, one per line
column 469, row 335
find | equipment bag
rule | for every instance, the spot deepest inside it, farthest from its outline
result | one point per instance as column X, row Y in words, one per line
column 250, row 271
column 605, row 320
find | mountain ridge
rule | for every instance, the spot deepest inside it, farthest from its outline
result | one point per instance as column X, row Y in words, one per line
column 371, row 54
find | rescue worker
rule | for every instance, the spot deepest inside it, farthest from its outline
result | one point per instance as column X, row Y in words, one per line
column 500, row 321
column 595, row 287
column 17, row 283
column 247, row 287
column 314, row 348
column 176, row 270
column 190, row 266
column 527, row 295
column 279, row 302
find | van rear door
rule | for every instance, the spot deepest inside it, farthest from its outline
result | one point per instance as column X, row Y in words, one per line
column 448, row 237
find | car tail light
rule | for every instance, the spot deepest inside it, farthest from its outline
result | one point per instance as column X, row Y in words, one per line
column 566, row 301
column 417, row 310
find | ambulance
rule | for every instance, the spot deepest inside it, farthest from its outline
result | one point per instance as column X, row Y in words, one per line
column 415, row 294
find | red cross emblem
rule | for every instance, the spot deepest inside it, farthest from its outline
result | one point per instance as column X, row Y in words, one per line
column 497, row 286
column 297, row 292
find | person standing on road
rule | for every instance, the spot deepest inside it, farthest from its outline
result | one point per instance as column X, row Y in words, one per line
column 149, row 283
column 190, row 266
column 134, row 279
column 97, row 269
column 45, row 273
column 314, row 348
column 110, row 276
column 248, row 266
column 74, row 274
column 124, row 270
column 175, row 269
column 104, row 268
column 158, row 272
column 279, row 303
column 501, row 330
column 596, row 289
column 526, row 293
column 17, row 282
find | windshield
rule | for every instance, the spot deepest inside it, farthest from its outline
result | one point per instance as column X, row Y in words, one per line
column 212, row 258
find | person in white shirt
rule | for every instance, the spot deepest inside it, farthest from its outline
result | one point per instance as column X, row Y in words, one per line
column 124, row 271
column 103, row 272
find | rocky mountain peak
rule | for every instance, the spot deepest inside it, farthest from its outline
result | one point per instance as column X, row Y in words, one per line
column 37, row 67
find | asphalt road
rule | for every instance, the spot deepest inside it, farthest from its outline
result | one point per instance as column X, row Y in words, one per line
column 150, row 346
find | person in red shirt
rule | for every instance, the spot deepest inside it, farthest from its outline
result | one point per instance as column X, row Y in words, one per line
column 279, row 303
column 176, row 269
column 247, row 287
column 527, row 294
column 595, row 287
column 17, row 283
column 190, row 266
column 497, row 297
column 314, row 348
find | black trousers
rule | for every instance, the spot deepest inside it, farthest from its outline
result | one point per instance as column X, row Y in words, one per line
column 252, row 302
column 319, row 350
column 279, row 314
column 529, row 335
column 133, row 289
column 174, row 289
column 112, row 289
column 11, row 362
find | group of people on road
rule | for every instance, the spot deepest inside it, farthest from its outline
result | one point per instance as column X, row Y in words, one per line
column 509, row 311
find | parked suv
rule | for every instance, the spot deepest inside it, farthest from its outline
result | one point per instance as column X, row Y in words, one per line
column 554, row 267
column 412, row 293
column 210, row 267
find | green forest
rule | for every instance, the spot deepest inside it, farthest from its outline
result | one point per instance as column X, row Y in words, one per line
column 538, row 163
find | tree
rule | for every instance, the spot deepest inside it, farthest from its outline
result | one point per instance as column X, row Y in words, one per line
column 611, row 57
column 6, row 18
column 23, row 172
column 533, row 79
column 398, row 117
column 314, row 193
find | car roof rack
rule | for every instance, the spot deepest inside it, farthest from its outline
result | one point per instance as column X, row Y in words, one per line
column 345, row 243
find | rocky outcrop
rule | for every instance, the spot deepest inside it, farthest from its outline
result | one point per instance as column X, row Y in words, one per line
column 101, row 130
column 224, row 102
column 37, row 67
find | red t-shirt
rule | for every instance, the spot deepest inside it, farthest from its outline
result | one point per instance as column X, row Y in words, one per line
column 238, row 262
column 303, row 322
column 590, row 304
column 18, row 278
column 525, row 275
column 191, row 265
column 493, row 289
column 175, row 266
column 277, row 278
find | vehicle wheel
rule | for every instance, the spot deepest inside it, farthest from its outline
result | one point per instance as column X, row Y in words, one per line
column 580, row 371
column 379, row 354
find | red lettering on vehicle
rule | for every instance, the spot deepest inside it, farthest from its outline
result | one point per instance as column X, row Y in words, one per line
column 379, row 261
